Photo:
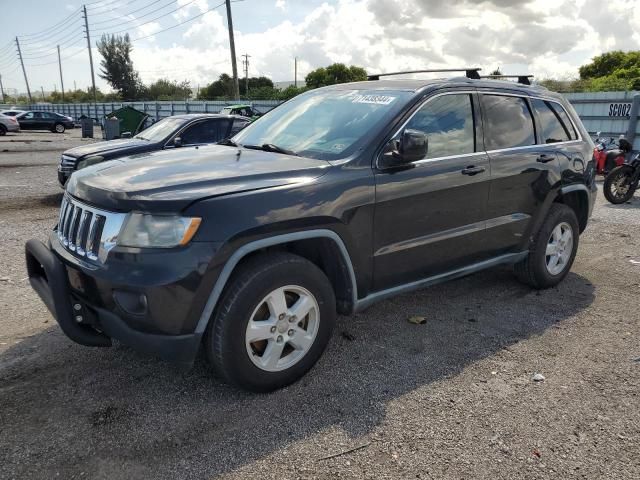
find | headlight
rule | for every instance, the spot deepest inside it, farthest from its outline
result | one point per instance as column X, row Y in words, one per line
column 89, row 161
column 157, row 231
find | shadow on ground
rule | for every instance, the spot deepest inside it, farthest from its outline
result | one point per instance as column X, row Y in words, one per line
column 113, row 413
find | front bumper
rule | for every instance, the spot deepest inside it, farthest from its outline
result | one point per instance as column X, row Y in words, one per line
column 88, row 322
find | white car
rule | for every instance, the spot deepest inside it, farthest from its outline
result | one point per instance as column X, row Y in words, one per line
column 8, row 124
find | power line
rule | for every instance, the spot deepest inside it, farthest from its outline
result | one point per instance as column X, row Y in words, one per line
column 48, row 30
column 153, row 19
column 181, row 23
column 126, row 15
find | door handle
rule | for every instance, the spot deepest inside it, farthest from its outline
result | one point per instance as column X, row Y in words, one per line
column 544, row 158
column 472, row 170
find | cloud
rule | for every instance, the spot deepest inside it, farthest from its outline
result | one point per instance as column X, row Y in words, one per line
column 549, row 38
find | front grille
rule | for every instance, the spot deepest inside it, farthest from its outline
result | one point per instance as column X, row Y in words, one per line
column 67, row 164
column 87, row 231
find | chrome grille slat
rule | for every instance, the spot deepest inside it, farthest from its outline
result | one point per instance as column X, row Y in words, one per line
column 67, row 225
column 87, row 231
column 73, row 228
column 81, row 237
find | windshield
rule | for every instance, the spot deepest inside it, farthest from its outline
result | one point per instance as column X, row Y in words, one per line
column 325, row 124
column 160, row 130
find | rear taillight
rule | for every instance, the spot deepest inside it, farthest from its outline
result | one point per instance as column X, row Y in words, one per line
column 13, row 119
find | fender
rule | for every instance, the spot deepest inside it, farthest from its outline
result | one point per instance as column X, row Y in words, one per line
column 240, row 253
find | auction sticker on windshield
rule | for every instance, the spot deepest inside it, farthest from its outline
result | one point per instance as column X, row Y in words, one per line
column 373, row 99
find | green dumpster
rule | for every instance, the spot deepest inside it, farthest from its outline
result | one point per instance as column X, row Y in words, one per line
column 130, row 120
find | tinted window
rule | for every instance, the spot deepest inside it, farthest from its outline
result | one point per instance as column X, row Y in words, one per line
column 208, row 131
column 237, row 126
column 554, row 127
column 507, row 122
column 448, row 122
column 26, row 116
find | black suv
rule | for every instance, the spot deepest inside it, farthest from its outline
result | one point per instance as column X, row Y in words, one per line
column 171, row 132
column 338, row 198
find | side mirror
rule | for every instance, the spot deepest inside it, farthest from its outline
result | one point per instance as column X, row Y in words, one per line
column 125, row 135
column 412, row 146
column 177, row 142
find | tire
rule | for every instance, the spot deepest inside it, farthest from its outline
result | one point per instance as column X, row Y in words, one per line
column 614, row 189
column 3, row 130
column 58, row 128
column 297, row 343
column 538, row 269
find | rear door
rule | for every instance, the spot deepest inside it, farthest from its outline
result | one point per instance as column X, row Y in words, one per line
column 523, row 170
column 430, row 218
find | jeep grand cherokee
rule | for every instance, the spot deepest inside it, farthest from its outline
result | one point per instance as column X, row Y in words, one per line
column 339, row 198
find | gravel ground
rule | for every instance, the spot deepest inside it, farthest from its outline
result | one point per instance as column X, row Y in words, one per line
column 453, row 398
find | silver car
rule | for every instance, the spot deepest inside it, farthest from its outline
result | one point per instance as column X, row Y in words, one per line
column 8, row 124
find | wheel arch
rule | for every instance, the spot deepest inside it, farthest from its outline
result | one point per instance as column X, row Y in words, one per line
column 576, row 197
column 321, row 246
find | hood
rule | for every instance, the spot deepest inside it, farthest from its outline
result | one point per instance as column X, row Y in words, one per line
column 169, row 181
column 111, row 146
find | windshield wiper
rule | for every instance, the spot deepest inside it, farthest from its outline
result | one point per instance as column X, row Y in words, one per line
column 270, row 147
column 228, row 142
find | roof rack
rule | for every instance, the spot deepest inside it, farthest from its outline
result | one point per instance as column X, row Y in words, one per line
column 523, row 79
column 469, row 72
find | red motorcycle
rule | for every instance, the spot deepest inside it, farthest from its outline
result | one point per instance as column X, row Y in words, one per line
column 608, row 155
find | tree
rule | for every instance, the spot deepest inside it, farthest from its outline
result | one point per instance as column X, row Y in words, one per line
column 165, row 89
column 608, row 63
column 496, row 72
column 255, row 83
column 220, row 89
column 117, row 67
column 336, row 73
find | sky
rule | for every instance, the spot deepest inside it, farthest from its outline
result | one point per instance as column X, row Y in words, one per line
column 547, row 38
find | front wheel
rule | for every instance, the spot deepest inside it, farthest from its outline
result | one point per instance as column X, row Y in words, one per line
column 3, row 130
column 553, row 249
column 273, row 322
column 618, row 186
column 58, row 128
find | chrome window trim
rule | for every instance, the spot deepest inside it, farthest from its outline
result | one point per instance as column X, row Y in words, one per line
column 487, row 152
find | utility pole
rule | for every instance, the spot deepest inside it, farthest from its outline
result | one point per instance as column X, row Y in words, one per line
column 245, row 64
column 93, row 78
column 23, row 70
column 295, row 72
column 1, row 89
column 42, row 90
column 61, row 81
column 75, row 87
column 232, row 46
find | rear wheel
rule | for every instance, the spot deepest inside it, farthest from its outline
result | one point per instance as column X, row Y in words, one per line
column 58, row 128
column 273, row 322
column 618, row 187
column 3, row 130
column 553, row 249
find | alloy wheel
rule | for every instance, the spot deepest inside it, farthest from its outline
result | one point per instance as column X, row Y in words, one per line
column 559, row 248
column 282, row 328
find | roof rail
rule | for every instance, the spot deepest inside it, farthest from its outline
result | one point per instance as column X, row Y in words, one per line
column 523, row 79
column 469, row 72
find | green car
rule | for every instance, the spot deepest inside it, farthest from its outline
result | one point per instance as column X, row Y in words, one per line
column 244, row 110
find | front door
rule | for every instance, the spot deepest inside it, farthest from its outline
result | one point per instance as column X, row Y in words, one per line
column 431, row 218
